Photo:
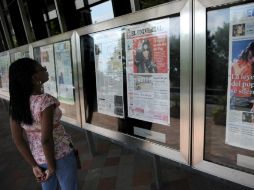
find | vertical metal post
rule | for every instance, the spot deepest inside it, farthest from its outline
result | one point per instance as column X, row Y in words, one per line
column 60, row 16
column 134, row 5
column 28, row 30
column 74, row 50
column 5, row 29
column 186, row 80
column 157, row 171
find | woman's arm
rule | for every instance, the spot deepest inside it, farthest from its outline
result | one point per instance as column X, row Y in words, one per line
column 47, row 138
column 22, row 146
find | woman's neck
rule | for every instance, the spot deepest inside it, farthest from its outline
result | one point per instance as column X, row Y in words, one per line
column 37, row 90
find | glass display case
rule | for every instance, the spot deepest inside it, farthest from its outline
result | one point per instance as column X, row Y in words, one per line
column 132, row 81
column 224, row 54
column 135, row 81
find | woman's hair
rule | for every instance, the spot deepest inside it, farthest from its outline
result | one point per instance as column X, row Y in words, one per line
column 21, row 88
column 245, row 53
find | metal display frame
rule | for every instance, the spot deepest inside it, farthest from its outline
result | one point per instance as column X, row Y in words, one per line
column 62, row 37
column 184, row 7
column 199, row 70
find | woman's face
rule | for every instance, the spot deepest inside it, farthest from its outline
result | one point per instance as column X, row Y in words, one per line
column 41, row 73
column 145, row 51
column 250, row 57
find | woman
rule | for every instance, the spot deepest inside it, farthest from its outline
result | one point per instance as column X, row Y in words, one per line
column 144, row 60
column 36, row 129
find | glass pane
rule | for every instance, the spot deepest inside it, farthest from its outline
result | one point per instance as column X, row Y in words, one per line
column 229, row 132
column 17, row 24
column 148, row 56
column 57, row 58
column 65, row 78
column 54, row 27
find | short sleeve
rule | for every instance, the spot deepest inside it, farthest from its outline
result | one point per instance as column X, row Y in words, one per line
column 47, row 101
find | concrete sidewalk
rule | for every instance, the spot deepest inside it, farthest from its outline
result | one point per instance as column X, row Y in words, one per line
column 114, row 167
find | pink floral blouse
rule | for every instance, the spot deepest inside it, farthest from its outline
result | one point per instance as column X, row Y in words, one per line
column 38, row 103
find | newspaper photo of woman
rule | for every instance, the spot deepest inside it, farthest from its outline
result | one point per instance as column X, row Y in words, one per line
column 242, row 78
column 144, row 60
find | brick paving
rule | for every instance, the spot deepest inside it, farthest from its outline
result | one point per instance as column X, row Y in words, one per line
column 114, row 167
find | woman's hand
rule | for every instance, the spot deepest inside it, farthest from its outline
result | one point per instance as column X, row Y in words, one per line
column 48, row 173
column 39, row 174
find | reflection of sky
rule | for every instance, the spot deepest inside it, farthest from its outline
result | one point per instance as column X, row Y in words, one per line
column 216, row 19
column 107, row 52
column 174, row 26
column 109, row 44
column 102, row 12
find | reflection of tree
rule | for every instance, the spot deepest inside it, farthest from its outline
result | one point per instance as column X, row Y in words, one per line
column 217, row 72
column 217, row 58
column 174, row 61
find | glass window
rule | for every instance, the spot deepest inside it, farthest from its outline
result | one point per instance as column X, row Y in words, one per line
column 90, row 12
column 143, row 4
column 43, row 18
column 17, row 24
column 132, row 80
column 35, row 11
column 54, row 27
column 51, row 19
column 229, row 128
column 13, row 22
column 102, row 12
